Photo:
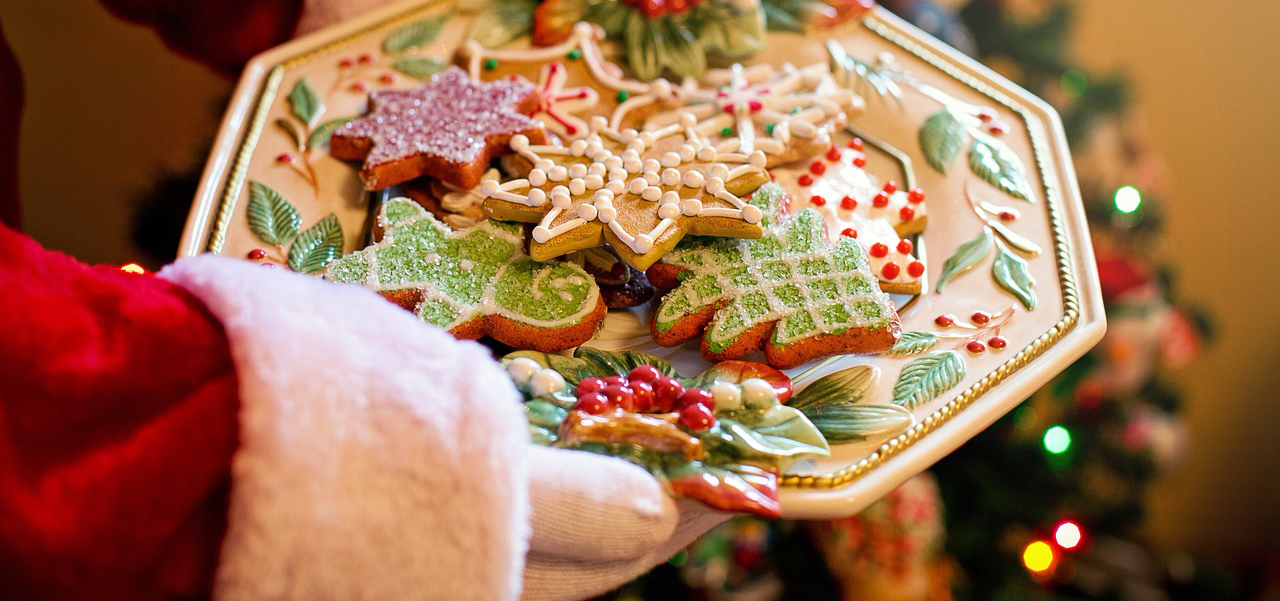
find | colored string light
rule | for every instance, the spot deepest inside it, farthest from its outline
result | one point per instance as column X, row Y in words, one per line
column 1038, row 556
column 1128, row 199
column 1057, row 440
column 1067, row 535
column 133, row 268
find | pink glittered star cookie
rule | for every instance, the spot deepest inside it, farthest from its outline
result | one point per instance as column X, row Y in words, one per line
column 449, row 129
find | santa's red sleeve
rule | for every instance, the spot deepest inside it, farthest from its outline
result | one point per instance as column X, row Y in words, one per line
column 246, row 433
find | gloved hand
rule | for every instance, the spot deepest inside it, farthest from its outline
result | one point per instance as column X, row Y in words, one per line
column 599, row 522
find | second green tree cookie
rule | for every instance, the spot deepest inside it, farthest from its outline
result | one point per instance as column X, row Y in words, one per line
column 791, row 293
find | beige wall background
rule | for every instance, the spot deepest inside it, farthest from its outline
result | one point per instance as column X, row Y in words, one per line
column 108, row 107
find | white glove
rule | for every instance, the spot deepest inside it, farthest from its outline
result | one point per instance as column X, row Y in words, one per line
column 599, row 522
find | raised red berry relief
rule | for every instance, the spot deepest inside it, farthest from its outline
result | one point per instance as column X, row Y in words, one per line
column 665, row 393
column 915, row 269
column 879, row 250
column 833, row 155
column 366, row 59
column 860, row 162
column 855, row 143
column 880, row 200
column 284, row 158
column 642, row 397
column 998, row 128
column 976, row 347
column 944, row 321
column 620, row 396
column 817, row 168
column 849, row 232
column 644, row 373
column 980, row 317
column 346, row 63
column 890, row 187
column 588, row 386
column 805, row 180
column 593, row 403
column 906, row 213
column 890, row 270
column 997, row 342
column 905, row 247
column 1008, row 216
column 257, row 254
column 916, row 195
column 848, row 203
column 986, row 115
column 697, row 396
column 359, row 86
column 697, row 418
column 387, row 78
column 817, row 201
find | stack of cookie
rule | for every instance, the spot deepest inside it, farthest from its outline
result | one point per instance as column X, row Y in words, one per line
column 544, row 188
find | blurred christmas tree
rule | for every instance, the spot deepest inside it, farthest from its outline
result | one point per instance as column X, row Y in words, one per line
column 1048, row 502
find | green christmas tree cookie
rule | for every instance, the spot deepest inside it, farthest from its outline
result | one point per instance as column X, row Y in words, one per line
column 475, row 282
column 792, row 293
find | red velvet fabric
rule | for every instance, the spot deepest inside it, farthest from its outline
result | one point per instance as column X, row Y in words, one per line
column 118, row 408
column 223, row 34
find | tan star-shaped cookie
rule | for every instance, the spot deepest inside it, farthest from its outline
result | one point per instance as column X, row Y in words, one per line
column 640, row 192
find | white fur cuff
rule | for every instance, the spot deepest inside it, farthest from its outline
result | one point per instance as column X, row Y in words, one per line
column 380, row 459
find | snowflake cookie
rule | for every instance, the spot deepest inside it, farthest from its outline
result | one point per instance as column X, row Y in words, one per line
column 791, row 293
column 787, row 113
column 640, row 192
column 853, row 204
column 477, row 282
column 449, row 128
column 574, row 81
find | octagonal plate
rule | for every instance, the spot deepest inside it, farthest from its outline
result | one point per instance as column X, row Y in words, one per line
column 956, row 392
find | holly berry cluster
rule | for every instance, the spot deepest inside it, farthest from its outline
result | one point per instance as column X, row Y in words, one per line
column 982, row 325
column 646, row 390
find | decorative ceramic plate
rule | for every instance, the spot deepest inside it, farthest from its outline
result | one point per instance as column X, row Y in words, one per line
column 1008, row 295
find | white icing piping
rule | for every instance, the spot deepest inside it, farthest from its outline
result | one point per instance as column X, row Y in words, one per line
column 628, row 172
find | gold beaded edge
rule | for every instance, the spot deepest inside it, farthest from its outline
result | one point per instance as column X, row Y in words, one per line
column 267, row 95
column 1066, row 279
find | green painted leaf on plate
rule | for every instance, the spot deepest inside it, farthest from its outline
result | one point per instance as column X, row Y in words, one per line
column 320, row 137
column 544, row 414
column 843, row 387
column 913, row 343
column 502, row 22
column 941, row 137
column 291, row 130
column 783, row 421
column 730, row 438
column 1014, row 239
column 923, row 379
column 1010, row 273
column 317, row 246
column 620, row 363
column 966, row 257
column 413, row 35
column 854, row 423
column 996, row 163
column 271, row 218
column 419, row 67
column 305, row 103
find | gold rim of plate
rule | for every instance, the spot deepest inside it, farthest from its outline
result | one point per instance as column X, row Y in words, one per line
column 875, row 23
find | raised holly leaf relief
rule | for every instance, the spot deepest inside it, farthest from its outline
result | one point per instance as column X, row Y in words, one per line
column 997, row 164
column 271, row 218
column 475, row 282
column 413, row 35
column 923, row 379
column 1011, row 274
column 317, row 246
column 913, row 343
column 941, row 137
column 305, row 103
